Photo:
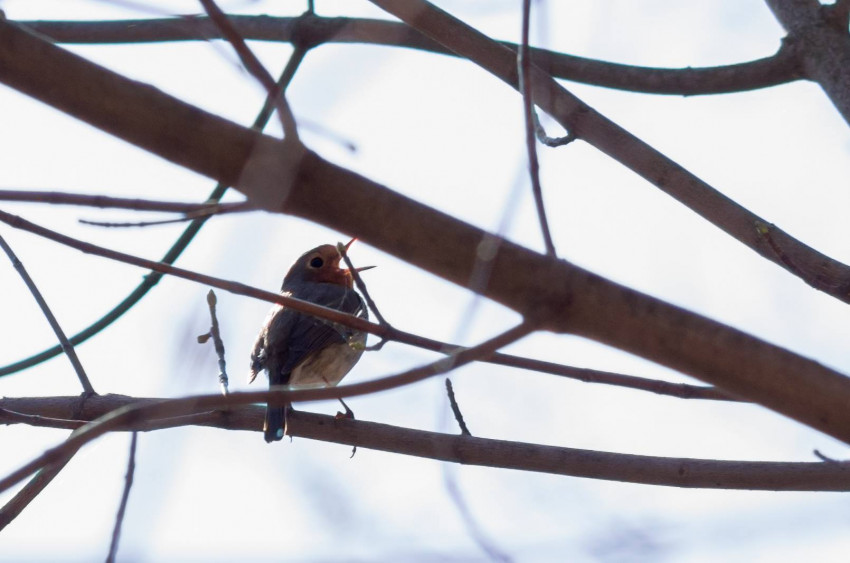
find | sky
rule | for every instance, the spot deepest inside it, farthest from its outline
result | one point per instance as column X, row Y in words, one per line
column 448, row 134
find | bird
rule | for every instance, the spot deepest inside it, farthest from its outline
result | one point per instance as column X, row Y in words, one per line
column 299, row 351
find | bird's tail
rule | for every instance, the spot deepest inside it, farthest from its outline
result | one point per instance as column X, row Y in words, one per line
column 273, row 428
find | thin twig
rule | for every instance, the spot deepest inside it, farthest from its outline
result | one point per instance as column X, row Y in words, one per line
column 361, row 285
column 135, row 204
column 54, row 324
column 119, row 417
column 122, row 508
column 523, row 68
column 200, row 213
column 825, row 458
column 215, row 334
column 135, row 224
column 254, row 67
column 545, row 139
column 456, row 409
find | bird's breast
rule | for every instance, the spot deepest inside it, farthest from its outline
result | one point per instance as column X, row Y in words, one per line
column 328, row 366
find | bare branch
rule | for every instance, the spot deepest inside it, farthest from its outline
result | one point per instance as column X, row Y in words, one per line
column 654, row 470
column 456, row 409
column 122, row 508
column 360, row 284
column 30, row 491
column 102, row 201
column 523, row 68
column 215, row 334
column 51, row 319
column 779, row 68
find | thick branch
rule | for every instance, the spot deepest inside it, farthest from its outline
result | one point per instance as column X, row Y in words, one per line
column 555, row 295
column 780, row 68
column 673, row 472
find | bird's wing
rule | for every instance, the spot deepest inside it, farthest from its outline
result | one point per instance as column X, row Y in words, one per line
column 259, row 353
column 310, row 334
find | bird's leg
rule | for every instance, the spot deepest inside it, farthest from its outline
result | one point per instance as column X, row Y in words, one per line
column 287, row 410
column 348, row 412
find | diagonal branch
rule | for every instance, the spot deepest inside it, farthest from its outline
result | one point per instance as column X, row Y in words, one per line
column 654, row 470
column 67, row 347
column 13, row 508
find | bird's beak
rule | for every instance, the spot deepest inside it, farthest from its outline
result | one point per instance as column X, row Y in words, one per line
column 364, row 268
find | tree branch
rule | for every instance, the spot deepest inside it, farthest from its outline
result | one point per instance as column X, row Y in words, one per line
column 528, row 111
column 67, row 347
column 779, row 68
column 109, row 202
column 29, row 492
column 652, row 470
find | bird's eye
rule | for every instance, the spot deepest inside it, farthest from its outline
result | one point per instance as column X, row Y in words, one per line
column 317, row 262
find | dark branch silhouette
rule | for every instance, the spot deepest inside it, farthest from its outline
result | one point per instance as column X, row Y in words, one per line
column 51, row 318
column 780, row 68
column 226, row 413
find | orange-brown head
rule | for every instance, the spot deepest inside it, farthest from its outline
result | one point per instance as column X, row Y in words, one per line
column 321, row 265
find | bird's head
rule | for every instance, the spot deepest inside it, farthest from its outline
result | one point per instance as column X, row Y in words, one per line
column 321, row 265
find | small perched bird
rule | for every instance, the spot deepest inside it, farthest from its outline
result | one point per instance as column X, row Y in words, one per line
column 299, row 351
